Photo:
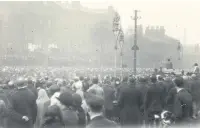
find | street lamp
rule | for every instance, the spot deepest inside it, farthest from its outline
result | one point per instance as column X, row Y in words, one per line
column 121, row 44
column 116, row 30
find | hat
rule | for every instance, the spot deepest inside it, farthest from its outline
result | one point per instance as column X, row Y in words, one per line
column 195, row 64
column 20, row 81
column 194, row 76
column 11, row 83
column 66, row 99
column 54, row 88
column 94, row 98
column 52, row 111
column 77, row 99
column 132, row 79
column 95, row 80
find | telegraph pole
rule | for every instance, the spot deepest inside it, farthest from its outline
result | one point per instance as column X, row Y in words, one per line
column 116, row 31
column 135, row 47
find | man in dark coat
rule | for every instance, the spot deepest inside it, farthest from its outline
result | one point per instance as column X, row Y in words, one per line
column 109, row 96
column 195, row 92
column 3, row 99
column 182, row 102
column 130, row 102
column 142, row 86
column 154, row 100
column 23, row 106
column 95, row 103
column 124, row 83
column 32, row 88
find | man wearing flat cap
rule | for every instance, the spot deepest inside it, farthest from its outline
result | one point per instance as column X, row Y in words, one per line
column 95, row 102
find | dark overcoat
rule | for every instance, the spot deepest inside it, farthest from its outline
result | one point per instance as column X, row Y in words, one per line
column 154, row 100
column 23, row 103
column 130, row 102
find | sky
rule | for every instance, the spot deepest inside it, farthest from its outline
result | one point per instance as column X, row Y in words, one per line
column 175, row 15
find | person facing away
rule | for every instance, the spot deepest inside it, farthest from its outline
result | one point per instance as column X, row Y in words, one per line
column 196, row 69
column 67, row 110
column 43, row 102
column 77, row 101
column 154, row 100
column 124, row 83
column 95, row 102
column 109, row 96
column 95, row 85
column 130, row 103
column 182, row 103
column 52, row 118
column 195, row 92
column 3, row 103
column 23, row 106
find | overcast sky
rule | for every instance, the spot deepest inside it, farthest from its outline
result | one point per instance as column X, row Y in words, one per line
column 175, row 15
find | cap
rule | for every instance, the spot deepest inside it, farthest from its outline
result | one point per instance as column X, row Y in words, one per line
column 77, row 99
column 66, row 99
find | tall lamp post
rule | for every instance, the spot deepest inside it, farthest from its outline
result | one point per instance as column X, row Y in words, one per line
column 135, row 47
column 116, row 30
column 121, row 44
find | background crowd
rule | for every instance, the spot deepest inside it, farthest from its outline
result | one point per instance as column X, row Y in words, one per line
column 60, row 98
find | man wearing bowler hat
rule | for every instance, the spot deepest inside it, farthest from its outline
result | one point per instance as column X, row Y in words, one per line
column 23, row 106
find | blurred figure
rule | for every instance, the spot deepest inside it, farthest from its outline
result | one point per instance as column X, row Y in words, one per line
column 95, row 85
column 109, row 96
column 169, row 64
column 67, row 110
column 142, row 86
column 81, row 113
column 154, row 100
column 24, row 106
column 195, row 92
column 43, row 102
column 130, row 103
column 124, row 83
column 160, row 72
column 182, row 103
column 95, row 102
column 4, row 102
column 31, row 87
column 196, row 69
column 78, row 85
column 86, row 84
column 155, row 72
column 55, row 92
column 52, row 118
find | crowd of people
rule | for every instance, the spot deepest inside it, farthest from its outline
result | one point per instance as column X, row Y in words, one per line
column 52, row 98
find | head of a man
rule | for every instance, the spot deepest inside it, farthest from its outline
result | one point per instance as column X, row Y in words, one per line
column 95, row 80
column 20, row 82
column 95, row 102
column 153, row 79
column 195, row 65
column 178, row 81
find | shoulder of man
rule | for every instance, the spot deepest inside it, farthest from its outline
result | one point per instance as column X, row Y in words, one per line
column 104, row 122
column 12, row 93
